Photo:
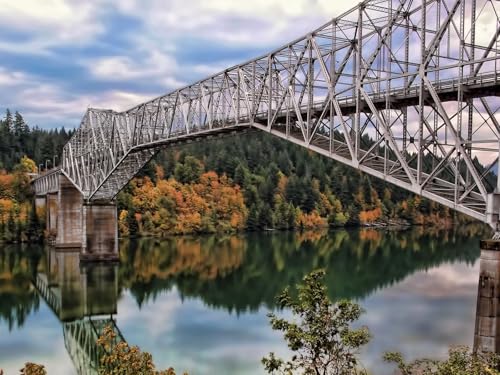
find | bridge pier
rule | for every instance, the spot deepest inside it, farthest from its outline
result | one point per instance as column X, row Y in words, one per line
column 90, row 227
column 100, row 228
column 51, row 213
column 69, row 216
column 40, row 203
column 487, row 329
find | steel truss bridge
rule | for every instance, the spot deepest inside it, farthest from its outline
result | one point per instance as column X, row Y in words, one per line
column 405, row 90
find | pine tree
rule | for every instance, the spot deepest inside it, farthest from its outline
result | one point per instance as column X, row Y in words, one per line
column 133, row 225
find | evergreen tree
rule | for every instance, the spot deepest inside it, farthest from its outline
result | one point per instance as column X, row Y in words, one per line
column 133, row 226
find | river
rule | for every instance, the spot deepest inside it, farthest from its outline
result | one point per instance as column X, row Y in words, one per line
column 199, row 304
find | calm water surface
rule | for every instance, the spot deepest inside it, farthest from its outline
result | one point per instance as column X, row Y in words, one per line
column 199, row 304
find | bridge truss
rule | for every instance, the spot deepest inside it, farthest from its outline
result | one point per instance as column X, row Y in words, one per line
column 404, row 90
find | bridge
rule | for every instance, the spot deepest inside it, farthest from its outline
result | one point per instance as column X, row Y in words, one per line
column 406, row 91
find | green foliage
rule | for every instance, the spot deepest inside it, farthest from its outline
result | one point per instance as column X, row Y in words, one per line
column 314, row 191
column 320, row 334
column 120, row 359
column 189, row 171
column 460, row 361
column 133, row 226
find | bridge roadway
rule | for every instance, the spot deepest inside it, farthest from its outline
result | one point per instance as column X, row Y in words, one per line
column 382, row 88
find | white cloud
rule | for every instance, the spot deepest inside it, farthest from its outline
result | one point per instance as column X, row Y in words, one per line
column 50, row 23
column 11, row 78
column 256, row 23
column 125, row 68
column 41, row 101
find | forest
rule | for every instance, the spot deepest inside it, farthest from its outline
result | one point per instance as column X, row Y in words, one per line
column 247, row 182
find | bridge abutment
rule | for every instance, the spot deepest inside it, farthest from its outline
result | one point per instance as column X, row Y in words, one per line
column 487, row 329
column 90, row 227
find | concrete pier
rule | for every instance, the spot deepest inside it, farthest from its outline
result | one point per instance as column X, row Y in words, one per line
column 487, row 329
column 100, row 240
column 91, row 228
column 69, row 216
column 51, row 213
column 40, row 205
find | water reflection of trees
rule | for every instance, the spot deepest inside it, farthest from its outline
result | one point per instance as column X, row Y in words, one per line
column 17, row 296
column 241, row 273
column 244, row 272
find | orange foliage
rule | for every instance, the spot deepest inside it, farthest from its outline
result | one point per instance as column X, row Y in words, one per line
column 185, row 255
column 308, row 221
column 6, row 206
column 370, row 235
column 212, row 204
column 366, row 217
column 282, row 185
column 6, row 186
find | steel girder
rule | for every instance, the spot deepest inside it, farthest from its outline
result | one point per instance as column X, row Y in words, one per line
column 404, row 90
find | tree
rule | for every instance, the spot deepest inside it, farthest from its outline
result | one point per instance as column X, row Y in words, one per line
column 133, row 226
column 460, row 361
column 189, row 171
column 34, row 230
column 32, row 369
column 120, row 358
column 321, row 334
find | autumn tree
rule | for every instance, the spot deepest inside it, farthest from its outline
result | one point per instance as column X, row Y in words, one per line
column 120, row 358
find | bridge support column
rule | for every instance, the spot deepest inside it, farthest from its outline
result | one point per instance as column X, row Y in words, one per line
column 40, row 202
column 69, row 217
column 100, row 222
column 487, row 330
column 90, row 227
column 51, row 213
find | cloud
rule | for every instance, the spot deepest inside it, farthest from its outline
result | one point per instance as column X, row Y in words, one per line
column 50, row 23
column 260, row 22
column 48, row 102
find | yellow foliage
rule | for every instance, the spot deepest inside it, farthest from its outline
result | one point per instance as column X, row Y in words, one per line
column 27, row 165
column 122, row 223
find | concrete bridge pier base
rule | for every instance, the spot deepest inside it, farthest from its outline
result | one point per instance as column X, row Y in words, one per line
column 51, row 213
column 40, row 204
column 90, row 227
column 100, row 242
column 69, row 216
column 487, row 329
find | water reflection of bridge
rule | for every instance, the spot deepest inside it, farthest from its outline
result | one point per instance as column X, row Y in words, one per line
column 84, row 299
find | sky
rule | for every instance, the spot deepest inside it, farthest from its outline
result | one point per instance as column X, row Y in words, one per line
column 59, row 57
